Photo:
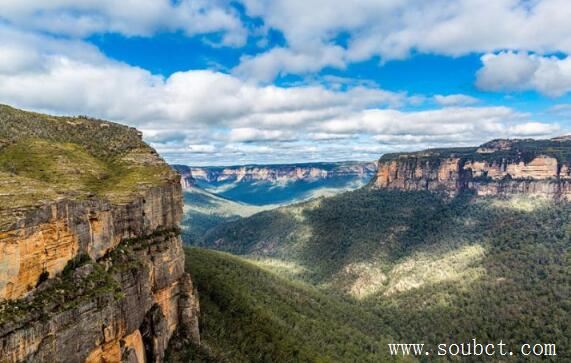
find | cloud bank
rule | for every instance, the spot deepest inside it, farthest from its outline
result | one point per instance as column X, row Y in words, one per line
column 214, row 117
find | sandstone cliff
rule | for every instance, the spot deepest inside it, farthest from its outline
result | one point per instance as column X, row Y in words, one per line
column 91, row 261
column 286, row 172
column 499, row 167
column 186, row 179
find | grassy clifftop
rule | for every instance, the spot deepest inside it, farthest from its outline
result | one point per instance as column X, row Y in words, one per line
column 45, row 158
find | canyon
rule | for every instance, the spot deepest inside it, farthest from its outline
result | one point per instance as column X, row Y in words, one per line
column 498, row 168
column 284, row 173
column 91, row 259
column 279, row 184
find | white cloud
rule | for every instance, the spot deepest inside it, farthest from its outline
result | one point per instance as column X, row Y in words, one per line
column 128, row 17
column 201, row 148
column 212, row 116
column 561, row 109
column 248, row 134
column 517, row 71
column 282, row 61
column 393, row 29
column 453, row 123
column 455, row 100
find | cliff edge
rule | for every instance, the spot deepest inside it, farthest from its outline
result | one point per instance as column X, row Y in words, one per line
column 91, row 260
column 500, row 167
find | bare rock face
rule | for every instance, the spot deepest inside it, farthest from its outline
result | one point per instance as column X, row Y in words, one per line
column 94, row 276
column 186, row 179
column 500, row 167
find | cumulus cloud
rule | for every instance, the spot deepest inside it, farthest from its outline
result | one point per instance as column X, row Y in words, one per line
column 465, row 123
column 520, row 71
column 455, row 100
column 217, row 117
column 394, row 29
column 128, row 17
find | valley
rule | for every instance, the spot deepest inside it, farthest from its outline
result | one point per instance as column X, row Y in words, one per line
column 441, row 264
column 214, row 195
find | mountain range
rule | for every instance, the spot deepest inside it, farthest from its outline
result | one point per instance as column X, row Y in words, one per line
column 279, row 184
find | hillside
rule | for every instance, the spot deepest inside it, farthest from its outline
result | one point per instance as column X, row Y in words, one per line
column 204, row 210
column 91, row 260
column 435, row 269
column 45, row 158
column 249, row 314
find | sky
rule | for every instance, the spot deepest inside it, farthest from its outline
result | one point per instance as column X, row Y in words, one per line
column 214, row 82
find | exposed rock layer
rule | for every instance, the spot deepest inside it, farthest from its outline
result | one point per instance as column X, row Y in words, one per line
column 500, row 167
column 87, row 278
column 186, row 179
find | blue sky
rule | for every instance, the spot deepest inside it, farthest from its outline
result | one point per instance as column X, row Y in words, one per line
column 252, row 81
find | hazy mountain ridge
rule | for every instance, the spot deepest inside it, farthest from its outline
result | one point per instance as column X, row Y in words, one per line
column 204, row 210
column 278, row 184
column 284, row 172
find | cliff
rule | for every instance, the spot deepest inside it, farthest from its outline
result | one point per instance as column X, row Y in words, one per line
column 187, row 181
column 91, row 261
column 285, row 172
column 499, row 167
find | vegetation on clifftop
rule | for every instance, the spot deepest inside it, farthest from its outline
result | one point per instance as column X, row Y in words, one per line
column 45, row 158
column 518, row 150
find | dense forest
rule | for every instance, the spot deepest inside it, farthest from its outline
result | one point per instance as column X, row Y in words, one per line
column 414, row 265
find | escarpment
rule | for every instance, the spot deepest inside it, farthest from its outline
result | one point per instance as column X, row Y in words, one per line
column 286, row 172
column 499, row 167
column 91, row 260
column 186, row 179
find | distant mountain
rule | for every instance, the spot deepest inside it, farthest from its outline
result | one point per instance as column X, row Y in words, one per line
column 278, row 184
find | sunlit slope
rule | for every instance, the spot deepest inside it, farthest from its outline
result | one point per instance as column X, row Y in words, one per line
column 436, row 270
column 249, row 314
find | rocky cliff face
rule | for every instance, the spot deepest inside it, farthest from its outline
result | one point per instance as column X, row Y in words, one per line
column 273, row 173
column 186, row 179
column 91, row 270
column 500, row 167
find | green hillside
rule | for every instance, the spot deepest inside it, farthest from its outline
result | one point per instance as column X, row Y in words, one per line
column 430, row 269
column 204, row 210
column 45, row 157
column 249, row 314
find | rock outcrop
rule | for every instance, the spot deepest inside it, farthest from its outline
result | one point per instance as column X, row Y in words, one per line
column 91, row 269
column 186, row 179
column 499, row 167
